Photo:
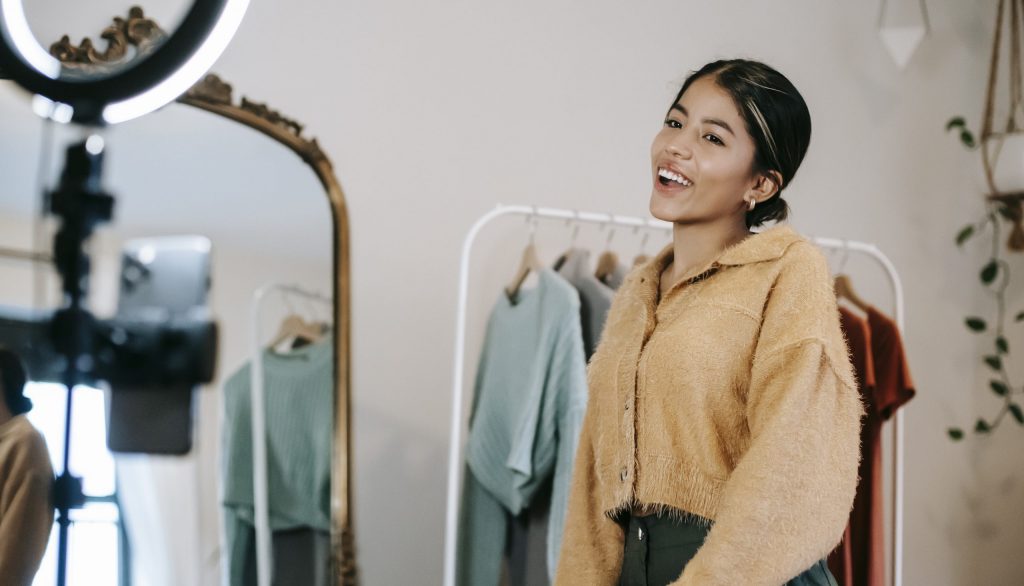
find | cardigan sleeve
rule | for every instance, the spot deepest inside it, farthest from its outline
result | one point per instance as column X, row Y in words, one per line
column 26, row 510
column 787, row 502
column 592, row 543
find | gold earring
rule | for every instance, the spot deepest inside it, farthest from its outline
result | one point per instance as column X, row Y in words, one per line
column 752, row 202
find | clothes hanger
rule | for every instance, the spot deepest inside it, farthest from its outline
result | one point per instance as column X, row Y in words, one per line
column 528, row 262
column 608, row 260
column 296, row 328
column 642, row 256
column 844, row 286
column 575, row 222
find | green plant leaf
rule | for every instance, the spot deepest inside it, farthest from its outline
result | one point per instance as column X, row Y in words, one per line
column 955, row 433
column 965, row 233
column 956, row 122
column 994, row 362
column 982, row 426
column 988, row 274
column 998, row 388
column 976, row 324
column 1005, row 213
column 1020, row 316
column 1017, row 413
column 1002, row 345
column 967, row 138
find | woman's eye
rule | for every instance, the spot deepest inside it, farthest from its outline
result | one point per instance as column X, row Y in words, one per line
column 673, row 123
column 714, row 138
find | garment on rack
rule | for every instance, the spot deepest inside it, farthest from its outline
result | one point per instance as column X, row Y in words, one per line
column 615, row 278
column 298, row 393
column 893, row 389
column 529, row 398
column 26, row 510
column 528, row 532
column 595, row 295
column 300, row 556
column 858, row 338
column 880, row 351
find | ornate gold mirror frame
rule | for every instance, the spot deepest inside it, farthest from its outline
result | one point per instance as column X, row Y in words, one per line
column 213, row 95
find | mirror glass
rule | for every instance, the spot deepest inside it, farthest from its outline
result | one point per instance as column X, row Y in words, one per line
column 185, row 520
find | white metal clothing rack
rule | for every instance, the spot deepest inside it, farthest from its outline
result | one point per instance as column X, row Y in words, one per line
column 264, row 553
column 455, row 448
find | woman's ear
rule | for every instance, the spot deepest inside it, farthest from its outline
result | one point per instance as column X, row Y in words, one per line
column 766, row 185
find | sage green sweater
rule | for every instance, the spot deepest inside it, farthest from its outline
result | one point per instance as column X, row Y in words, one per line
column 299, row 391
column 529, row 398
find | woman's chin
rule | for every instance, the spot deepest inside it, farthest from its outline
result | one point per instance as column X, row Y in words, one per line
column 664, row 210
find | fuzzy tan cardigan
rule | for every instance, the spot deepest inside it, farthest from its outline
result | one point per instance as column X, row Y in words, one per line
column 732, row 399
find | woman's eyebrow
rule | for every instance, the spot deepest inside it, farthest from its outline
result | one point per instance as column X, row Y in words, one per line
column 714, row 121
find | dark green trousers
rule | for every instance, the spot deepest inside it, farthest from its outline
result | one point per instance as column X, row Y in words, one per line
column 659, row 547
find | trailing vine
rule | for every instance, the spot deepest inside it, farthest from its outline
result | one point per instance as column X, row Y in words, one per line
column 995, row 278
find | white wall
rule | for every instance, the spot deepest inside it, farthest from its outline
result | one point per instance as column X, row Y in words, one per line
column 435, row 112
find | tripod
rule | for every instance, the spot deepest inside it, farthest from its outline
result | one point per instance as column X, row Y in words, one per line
column 81, row 204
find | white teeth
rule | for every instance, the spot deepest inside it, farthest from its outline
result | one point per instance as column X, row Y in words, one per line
column 674, row 177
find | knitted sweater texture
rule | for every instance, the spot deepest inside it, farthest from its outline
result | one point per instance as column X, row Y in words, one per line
column 731, row 399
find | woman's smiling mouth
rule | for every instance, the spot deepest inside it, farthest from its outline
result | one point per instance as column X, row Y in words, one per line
column 672, row 179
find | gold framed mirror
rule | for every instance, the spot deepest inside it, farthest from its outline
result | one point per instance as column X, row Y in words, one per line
column 132, row 35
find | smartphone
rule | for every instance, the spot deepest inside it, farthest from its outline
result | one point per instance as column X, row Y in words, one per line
column 161, row 278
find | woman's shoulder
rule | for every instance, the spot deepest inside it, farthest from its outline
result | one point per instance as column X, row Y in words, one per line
column 802, row 256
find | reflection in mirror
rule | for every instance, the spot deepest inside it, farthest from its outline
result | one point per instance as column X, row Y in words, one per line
column 270, row 225
column 166, row 518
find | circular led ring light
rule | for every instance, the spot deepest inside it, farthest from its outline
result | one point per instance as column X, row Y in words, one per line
column 142, row 87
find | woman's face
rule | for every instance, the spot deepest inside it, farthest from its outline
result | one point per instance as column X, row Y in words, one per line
column 702, row 159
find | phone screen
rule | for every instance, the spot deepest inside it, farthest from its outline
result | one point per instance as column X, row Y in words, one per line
column 161, row 278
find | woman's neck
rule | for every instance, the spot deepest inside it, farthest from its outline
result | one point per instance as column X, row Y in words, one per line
column 5, row 413
column 694, row 245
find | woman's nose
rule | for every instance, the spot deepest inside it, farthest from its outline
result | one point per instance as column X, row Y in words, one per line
column 680, row 148
column 681, row 145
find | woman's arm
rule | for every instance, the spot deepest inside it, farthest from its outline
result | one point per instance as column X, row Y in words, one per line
column 787, row 502
column 26, row 513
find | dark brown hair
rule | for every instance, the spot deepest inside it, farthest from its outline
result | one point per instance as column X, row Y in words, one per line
column 12, row 379
column 775, row 115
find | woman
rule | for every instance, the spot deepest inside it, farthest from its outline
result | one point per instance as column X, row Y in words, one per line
column 26, row 478
column 720, row 444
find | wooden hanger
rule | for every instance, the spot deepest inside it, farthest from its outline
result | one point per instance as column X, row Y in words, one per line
column 572, row 241
column 608, row 260
column 529, row 262
column 844, row 286
column 844, row 290
column 606, row 264
column 642, row 256
column 295, row 327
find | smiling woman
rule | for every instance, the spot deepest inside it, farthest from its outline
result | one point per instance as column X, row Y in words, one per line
column 720, row 443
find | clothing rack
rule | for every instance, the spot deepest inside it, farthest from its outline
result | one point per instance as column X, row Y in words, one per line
column 27, row 255
column 455, row 447
column 264, row 552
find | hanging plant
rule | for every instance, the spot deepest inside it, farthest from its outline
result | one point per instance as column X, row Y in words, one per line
column 1003, row 210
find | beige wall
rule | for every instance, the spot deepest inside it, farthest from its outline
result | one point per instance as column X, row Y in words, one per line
column 435, row 112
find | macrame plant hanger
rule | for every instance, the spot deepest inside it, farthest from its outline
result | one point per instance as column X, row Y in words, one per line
column 991, row 141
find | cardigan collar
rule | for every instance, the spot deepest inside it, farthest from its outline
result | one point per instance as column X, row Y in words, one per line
column 769, row 244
